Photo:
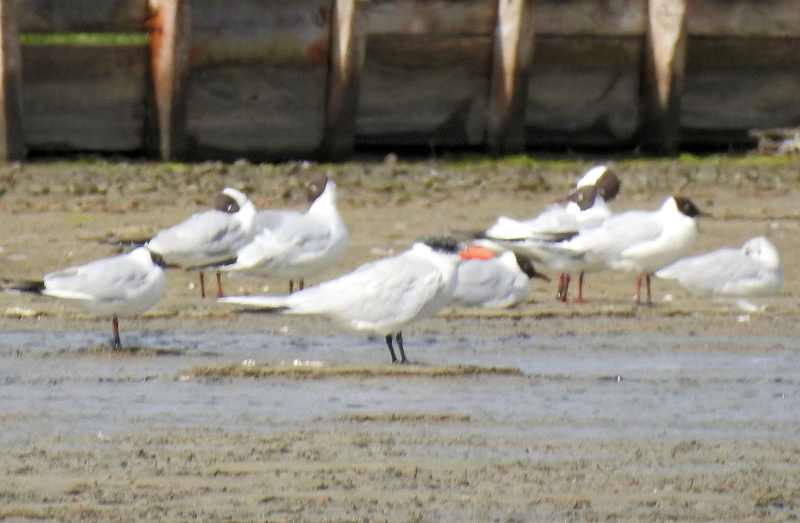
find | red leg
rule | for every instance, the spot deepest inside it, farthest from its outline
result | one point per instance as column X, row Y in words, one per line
column 649, row 300
column 202, row 285
column 565, row 294
column 560, row 292
column 219, row 286
column 115, row 343
column 637, row 298
column 302, row 284
column 580, row 288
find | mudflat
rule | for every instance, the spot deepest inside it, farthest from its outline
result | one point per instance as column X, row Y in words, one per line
column 685, row 410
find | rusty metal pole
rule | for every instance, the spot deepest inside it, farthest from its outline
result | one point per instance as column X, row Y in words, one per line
column 663, row 75
column 345, row 61
column 511, row 62
column 169, row 48
column 12, row 139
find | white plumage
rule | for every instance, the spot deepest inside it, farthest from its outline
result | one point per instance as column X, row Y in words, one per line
column 755, row 269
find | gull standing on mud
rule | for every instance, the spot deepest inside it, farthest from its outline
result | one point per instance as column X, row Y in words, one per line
column 586, row 207
column 753, row 270
column 503, row 281
column 126, row 286
column 292, row 245
column 381, row 296
column 640, row 241
column 208, row 237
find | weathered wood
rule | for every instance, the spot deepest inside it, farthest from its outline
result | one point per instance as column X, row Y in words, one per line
column 663, row 75
column 429, row 17
column 258, row 78
column 724, row 97
column 584, row 92
column 80, row 16
column 84, row 98
column 421, row 90
column 513, row 51
column 12, row 144
column 344, row 73
column 590, row 17
column 743, row 18
column 169, row 49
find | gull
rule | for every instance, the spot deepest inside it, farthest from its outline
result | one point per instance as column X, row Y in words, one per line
column 126, row 285
column 640, row 241
column 292, row 245
column 755, row 269
column 382, row 296
column 208, row 237
column 502, row 281
column 584, row 208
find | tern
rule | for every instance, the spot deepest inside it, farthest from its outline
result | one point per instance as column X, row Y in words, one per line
column 292, row 245
column 753, row 270
column 500, row 282
column 208, row 237
column 382, row 296
column 126, row 286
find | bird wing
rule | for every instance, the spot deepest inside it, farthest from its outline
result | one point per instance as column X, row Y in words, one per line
column 205, row 237
column 104, row 280
column 296, row 241
column 721, row 271
column 380, row 296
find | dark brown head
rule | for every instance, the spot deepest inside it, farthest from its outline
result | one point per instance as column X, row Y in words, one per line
column 607, row 185
column 316, row 188
column 527, row 267
column 686, row 206
column 584, row 196
column 225, row 203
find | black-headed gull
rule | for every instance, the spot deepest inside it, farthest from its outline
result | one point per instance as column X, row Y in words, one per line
column 292, row 245
column 208, row 237
column 753, row 270
column 640, row 241
column 502, row 281
column 586, row 207
column 124, row 286
column 381, row 296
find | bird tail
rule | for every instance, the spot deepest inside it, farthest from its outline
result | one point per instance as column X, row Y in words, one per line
column 262, row 302
column 33, row 287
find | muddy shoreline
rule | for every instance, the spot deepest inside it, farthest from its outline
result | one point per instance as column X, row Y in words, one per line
column 687, row 410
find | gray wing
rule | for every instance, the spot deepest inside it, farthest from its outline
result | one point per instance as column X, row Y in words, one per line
column 391, row 291
column 104, row 280
column 715, row 271
column 204, row 238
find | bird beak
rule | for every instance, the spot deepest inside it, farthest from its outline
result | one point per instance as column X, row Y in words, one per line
column 480, row 253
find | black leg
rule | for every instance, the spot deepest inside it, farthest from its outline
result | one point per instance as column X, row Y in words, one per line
column 399, row 338
column 202, row 285
column 391, row 349
column 291, row 286
column 302, row 284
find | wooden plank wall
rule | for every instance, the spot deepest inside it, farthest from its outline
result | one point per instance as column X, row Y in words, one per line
column 318, row 78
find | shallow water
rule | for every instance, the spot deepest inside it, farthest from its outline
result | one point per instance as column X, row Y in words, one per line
column 572, row 387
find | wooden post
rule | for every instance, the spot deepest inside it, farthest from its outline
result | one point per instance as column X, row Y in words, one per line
column 345, row 62
column 12, row 140
column 511, row 62
column 664, row 67
column 169, row 48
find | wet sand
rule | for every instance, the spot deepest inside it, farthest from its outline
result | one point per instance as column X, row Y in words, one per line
column 686, row 410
